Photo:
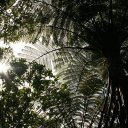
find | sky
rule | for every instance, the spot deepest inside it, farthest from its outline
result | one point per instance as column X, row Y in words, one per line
column 17, row 47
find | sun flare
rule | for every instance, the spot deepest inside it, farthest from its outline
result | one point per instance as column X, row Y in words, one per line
column 4, row 68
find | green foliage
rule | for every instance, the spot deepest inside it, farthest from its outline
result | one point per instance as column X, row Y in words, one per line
column 90, row 40
column 19, row 68
column 19, row 95
column 32, row 96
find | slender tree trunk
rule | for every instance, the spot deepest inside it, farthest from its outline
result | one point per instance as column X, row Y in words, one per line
column 119, row 83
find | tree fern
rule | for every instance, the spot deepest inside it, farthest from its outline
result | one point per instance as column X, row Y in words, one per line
column 91, row 27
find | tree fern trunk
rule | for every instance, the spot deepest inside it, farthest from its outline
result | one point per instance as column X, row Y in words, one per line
column 119, row 83
column 123, row 85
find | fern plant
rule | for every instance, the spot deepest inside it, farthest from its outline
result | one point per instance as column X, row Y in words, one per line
column 86, row 84
column 84, row 32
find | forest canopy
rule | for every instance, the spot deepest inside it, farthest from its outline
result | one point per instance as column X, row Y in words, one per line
column 86, row 41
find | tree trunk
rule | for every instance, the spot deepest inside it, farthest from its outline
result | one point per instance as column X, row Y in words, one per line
column 119, row 85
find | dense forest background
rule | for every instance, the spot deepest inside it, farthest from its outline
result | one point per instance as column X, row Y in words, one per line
column 84, row 44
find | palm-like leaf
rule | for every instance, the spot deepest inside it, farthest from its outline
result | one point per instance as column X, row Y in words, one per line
column 76, row 25
column 73, row 67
